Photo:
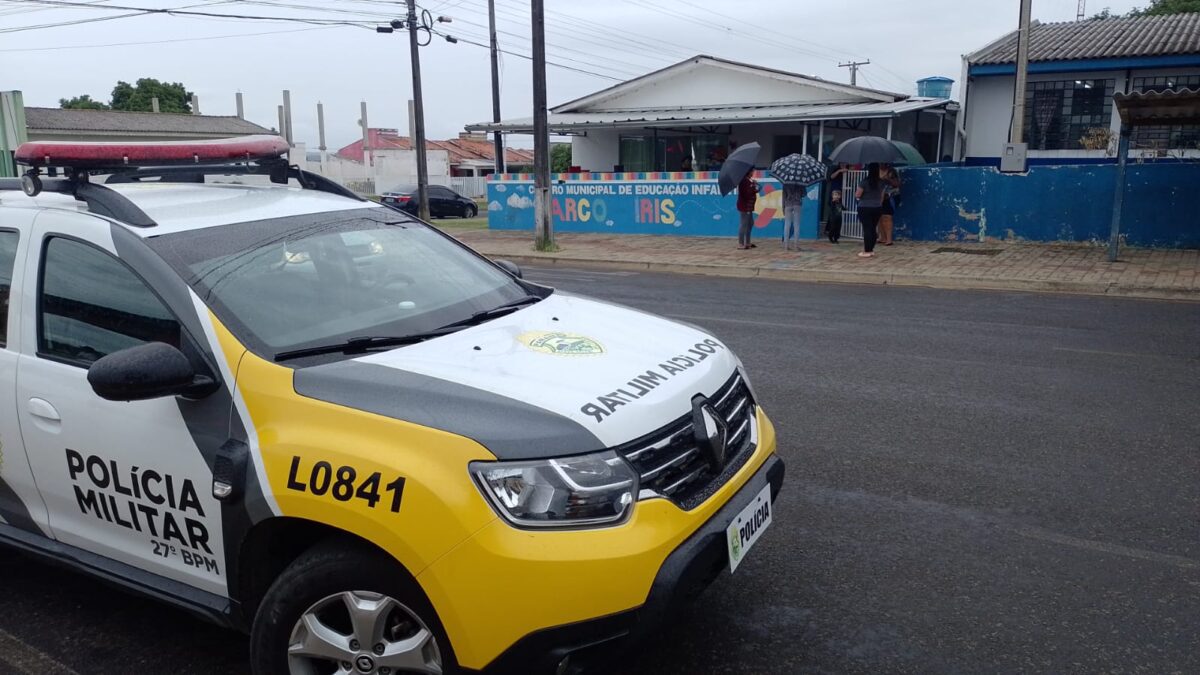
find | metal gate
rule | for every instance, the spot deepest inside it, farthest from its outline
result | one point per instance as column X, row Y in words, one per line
column 851, row 225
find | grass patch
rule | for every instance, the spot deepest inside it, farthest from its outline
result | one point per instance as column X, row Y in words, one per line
column 478, row 223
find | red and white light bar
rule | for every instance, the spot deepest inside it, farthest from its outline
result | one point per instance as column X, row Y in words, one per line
column 111, row 155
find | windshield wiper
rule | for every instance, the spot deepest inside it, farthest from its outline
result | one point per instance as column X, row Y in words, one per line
column 357, row 345
column 507, row 308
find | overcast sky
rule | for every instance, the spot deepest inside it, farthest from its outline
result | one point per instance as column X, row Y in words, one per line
column 343, row 65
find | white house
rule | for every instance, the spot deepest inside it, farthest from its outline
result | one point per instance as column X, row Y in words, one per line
column 697, row 108
column 1074, row 70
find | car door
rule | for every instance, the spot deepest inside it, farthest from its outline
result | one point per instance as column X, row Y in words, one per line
column 440, row 203
column 21, row 506
column 123, row 480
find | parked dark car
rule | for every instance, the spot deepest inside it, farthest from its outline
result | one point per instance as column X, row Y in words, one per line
column 443, row 202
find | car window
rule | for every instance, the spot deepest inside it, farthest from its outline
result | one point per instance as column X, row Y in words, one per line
column 91, row 305
column 8, row 256
column 441, row 192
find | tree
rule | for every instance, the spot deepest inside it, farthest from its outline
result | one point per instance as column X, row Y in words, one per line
column 83, row 102
column 172, row 97
column 1161, row 7
column 560, row 157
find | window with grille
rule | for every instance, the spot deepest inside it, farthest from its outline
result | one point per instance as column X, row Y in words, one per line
column 1059, row 113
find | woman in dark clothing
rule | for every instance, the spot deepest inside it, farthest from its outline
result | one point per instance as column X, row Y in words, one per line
column 891, row 193
column 870, row 208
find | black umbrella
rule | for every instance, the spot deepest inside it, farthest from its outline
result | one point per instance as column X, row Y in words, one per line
column 735, row 168
column 867, row 150
column 798, row 169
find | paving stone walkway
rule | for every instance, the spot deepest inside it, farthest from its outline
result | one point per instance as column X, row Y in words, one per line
column 1064, row 268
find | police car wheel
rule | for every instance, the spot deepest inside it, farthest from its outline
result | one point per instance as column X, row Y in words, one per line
column 343, row 609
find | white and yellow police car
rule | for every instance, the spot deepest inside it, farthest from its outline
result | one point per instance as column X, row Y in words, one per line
column 316, row 419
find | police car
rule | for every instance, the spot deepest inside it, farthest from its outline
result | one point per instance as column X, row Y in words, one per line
column 239, row 388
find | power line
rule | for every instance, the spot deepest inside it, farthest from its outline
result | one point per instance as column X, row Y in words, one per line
column 76, row 22
column 638, row 67
column 160, row 42
column 186, row 12
column 530, row 58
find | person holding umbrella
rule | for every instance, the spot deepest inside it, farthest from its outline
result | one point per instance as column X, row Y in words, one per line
column 747, row 198
column 870, row 196
column 736, row 172
column 796, row 172
column 872, row 151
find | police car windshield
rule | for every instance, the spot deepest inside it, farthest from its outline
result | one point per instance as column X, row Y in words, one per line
column 293, row 283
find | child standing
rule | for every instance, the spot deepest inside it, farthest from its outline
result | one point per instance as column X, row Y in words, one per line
column 833, row 217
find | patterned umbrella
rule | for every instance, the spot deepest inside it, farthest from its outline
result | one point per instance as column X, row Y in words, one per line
column 797, row 168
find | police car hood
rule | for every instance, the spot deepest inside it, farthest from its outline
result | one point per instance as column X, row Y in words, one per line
column 564, row 376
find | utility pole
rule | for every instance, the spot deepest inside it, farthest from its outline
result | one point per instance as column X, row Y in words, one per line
column 854, row 66
column 287, row 117
column 543, row 223
column 241, row 106
column 496, row 135
column 419, row 116
column 1017, row 135
column 320, row 134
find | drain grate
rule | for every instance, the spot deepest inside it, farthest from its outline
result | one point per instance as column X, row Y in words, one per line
column 968, row 251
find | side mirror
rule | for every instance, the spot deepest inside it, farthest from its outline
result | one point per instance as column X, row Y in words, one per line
column 152, row 370
column 510, row 267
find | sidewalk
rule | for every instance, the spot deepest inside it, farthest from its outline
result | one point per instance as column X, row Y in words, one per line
column 1060, row 268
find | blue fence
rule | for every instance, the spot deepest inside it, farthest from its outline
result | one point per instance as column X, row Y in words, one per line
column 1070, row 202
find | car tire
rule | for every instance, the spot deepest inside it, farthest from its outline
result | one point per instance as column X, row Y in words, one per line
column 470, row 211
column 321, row 590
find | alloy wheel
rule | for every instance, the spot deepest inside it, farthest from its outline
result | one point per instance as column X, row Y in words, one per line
column 360, row 633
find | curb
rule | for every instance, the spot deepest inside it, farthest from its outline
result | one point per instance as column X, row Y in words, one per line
column 862, row 278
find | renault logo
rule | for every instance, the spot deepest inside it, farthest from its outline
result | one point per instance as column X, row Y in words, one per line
column 710, row 430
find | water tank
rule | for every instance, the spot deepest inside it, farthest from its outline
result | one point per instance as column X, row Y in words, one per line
column 934, row 87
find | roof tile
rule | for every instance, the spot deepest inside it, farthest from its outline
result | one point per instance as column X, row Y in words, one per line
column 1100, row 38
column 119, row 121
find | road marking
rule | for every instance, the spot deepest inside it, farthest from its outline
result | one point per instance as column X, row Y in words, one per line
column 1122, row 355
column 26, row 659
column 1032, row 532
column 982, row 518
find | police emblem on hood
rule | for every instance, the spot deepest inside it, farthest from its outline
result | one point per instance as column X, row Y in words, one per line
column 568, row 344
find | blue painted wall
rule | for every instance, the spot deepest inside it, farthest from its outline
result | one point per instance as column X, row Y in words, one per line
column 688, row 207
column 1051, row 203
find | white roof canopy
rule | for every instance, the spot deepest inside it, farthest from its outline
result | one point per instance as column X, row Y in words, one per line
column 708, row 91
column 685, row 117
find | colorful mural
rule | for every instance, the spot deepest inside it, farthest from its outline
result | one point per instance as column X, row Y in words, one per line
column 674, row 203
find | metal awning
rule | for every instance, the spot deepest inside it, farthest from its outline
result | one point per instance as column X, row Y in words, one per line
column 1180, row 106
column 676, row 117
column 1145, row 108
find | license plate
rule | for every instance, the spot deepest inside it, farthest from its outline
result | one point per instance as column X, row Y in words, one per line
column 747, row 527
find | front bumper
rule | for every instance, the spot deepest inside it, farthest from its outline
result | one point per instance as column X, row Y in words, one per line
column 503, row 586
column 687, row 571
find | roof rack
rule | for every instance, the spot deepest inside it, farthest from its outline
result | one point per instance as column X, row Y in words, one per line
column 187, row 162
column 100, row 200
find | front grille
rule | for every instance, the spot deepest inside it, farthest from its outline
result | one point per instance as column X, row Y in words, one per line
column 671, row 464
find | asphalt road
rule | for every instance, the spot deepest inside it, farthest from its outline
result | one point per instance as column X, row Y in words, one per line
column 976, row 482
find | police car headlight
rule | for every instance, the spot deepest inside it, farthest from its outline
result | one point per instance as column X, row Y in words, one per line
column 587, row 491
